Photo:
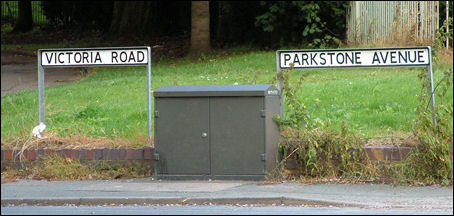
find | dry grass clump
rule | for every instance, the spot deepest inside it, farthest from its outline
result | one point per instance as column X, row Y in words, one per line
column 55, row 167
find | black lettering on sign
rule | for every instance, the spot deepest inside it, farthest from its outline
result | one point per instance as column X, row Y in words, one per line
column 331, row 57
column 98, row 57
column 304, row 57
column 393, row 57
column 69, row 57
column 409, row 57
column 131, row 57
column 323, row 58
column 114, row 56
column 296, row 59
column 357, row 57
column 49, row 59
column 347, row 58
column 85, row 57
column 420, row 56
column 286, row 58
column 402, row 57
column 123, row 56
column 139, row 55
column 375, row 58
column 337, row 58
column 75, row 57
column 59, row 58
column 384, row 58
column 313, row 55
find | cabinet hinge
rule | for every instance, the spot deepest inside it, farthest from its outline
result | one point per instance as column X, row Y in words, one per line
column 156, row 114
column 262, row 113
column 156, row 156
column 262, row 156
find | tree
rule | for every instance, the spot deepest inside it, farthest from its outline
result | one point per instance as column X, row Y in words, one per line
column 25, row 20
column 200, row 27
column 130, row 18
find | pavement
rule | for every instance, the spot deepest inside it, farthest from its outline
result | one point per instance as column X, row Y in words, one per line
column 19, row 71
column 147, row 191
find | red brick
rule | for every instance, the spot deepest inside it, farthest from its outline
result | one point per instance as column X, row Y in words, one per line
column 90, row 154
column 147, row 155
column 49, row 152
column 75, row 154
column 8, row 155
column 130, row 154
column 31, row 154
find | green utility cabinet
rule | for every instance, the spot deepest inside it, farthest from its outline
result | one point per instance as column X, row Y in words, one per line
column 216, row 131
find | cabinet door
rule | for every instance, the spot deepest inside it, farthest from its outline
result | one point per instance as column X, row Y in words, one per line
column 181, row 135
column 237, row 135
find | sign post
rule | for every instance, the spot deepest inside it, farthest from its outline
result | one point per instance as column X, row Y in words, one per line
column 94, row 57
column 345, row 58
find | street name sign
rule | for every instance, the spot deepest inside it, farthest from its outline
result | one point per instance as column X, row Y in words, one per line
column 94, row 57
column 90, row 57
column 346, row 58
column 384, row 57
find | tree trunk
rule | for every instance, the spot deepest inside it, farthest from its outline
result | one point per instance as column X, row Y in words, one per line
column 130, row 18
column 25, row 20
column 200, row 27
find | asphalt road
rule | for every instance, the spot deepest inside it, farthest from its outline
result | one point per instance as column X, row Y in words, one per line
column 204, row 210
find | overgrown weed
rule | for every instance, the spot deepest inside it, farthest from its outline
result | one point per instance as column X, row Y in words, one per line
column 315, row 152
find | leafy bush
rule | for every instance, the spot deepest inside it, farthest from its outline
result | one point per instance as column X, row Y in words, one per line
column 313, row 23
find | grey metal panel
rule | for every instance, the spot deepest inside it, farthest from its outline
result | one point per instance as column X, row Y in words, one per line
column 272, row 132
column 214, row 90
column 237, row 135
column 178, row 135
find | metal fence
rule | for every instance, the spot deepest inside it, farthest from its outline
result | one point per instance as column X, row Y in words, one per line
column 384, row 21
column 10, row 12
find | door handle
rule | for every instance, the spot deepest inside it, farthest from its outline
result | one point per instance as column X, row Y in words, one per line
column 204, row 134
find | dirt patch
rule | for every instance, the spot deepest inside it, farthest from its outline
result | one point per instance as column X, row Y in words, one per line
column 408, row 141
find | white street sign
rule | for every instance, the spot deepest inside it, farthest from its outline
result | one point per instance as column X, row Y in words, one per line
column 93, row 57
column 416, row 56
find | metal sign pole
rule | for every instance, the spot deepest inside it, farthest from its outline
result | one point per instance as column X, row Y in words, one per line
column 432, row 96
column 149, row 94
column 52, row 62
column 280, row 86
column 41, row 89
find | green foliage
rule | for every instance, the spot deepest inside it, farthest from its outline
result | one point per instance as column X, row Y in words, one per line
column 432, row 162
column 321, row 152
column 317, row 149
column 311, row 23
column 442, row 35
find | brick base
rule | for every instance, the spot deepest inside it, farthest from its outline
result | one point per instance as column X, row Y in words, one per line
column 31, row 156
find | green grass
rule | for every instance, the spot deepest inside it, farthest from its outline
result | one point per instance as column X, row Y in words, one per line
column 112, row 101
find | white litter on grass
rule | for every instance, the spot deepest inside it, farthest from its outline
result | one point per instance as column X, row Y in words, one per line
column 38, row 130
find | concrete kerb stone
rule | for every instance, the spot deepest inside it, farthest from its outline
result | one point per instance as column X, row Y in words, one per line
column 175, row 201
